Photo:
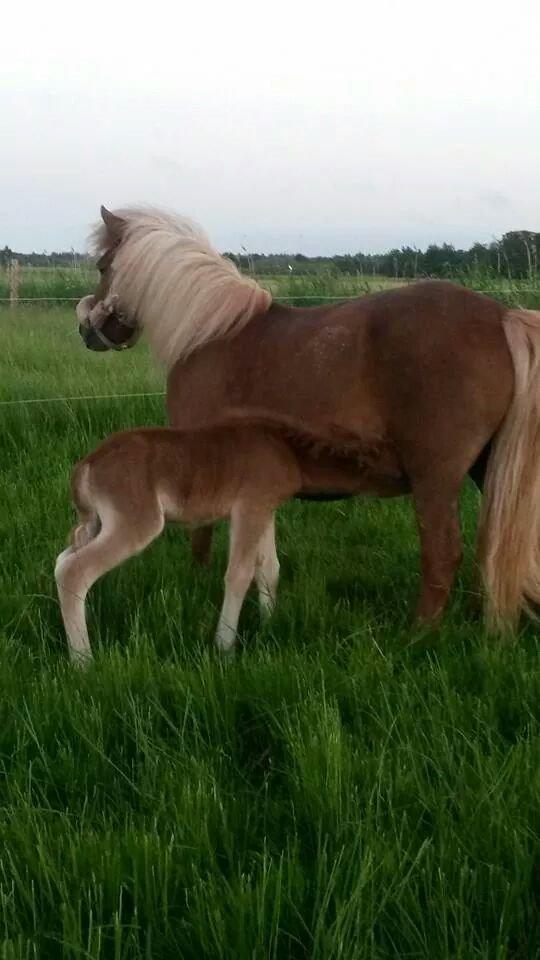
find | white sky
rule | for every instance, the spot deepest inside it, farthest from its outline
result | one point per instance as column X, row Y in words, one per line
column 293, row 126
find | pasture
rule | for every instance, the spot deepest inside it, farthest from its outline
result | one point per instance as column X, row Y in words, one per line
column 343, row 790
column 56, row 283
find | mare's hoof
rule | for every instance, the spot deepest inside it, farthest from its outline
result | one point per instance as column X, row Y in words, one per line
column 424, row 637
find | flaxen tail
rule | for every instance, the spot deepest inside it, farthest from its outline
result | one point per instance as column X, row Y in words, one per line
column 509, row 531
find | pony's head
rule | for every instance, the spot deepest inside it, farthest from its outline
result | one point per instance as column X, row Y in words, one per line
column 103, row 325
column 160, row 272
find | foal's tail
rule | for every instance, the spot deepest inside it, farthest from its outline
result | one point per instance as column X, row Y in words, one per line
column 90, row 524
column 509, row 532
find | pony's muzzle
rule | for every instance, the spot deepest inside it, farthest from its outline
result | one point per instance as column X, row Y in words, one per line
column 84, row 308
column 91, row 339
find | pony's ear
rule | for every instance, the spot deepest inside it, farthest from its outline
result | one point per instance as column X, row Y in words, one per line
column 115, row 225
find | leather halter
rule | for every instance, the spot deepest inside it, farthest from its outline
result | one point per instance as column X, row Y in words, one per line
column 126, row 344
column 96, row 327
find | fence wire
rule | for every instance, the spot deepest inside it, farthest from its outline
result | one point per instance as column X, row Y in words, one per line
column 91, row 396
column 284, row 298
column 161, row 393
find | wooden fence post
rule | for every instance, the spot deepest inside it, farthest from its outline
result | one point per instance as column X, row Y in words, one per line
column 14, row 282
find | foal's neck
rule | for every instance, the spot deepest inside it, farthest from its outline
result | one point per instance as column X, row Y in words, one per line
column 377, row 474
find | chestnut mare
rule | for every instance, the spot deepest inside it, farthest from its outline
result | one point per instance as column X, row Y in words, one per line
column 433, row 379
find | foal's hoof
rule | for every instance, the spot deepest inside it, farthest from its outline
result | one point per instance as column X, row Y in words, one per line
column 227, row 657
column 227, row 651
column 81, row 660
column 225, row 642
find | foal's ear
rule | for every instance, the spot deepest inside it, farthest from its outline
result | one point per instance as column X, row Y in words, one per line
column 115, row 225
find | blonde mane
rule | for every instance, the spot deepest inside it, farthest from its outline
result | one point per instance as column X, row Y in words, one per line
column 166, row 273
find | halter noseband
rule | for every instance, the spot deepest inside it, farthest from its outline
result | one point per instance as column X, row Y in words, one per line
column 97, row 317
column 126, row 344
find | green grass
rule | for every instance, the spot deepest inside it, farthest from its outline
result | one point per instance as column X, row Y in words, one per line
column 336, row 793
column 51, row 282
column 56, row 283
column 65, row 282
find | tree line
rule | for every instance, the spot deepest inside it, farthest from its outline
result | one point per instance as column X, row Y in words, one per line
column 515, row 255
column 66, row 258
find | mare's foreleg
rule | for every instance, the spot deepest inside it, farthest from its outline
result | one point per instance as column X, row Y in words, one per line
column 201, row 544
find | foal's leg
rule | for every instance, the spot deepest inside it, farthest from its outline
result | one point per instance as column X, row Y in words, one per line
column 78, row 569
column 267, row 569
column 440, row 538
column 247, row 529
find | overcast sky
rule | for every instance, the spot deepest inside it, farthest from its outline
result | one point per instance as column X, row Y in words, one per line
column 292, row 126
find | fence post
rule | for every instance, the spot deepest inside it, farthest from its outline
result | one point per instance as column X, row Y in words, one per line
column 14, row 282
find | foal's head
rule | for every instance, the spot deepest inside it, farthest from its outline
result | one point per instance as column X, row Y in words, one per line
column 102, row 323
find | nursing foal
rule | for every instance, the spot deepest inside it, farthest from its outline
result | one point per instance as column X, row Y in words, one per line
column 133, row 483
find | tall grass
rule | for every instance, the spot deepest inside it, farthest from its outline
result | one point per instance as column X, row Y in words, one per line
column 336, row 793
column 52, row 283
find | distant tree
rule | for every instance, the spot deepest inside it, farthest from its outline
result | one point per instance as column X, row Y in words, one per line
column 520, row 250
column 6, row 256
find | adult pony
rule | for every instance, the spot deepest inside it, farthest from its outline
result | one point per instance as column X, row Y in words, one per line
column 435, row 380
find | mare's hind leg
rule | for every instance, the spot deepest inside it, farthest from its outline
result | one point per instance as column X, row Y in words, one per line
column 440, row 539
column 247, row 529
column 201, row 544
column 78, row 569
column 267, row 569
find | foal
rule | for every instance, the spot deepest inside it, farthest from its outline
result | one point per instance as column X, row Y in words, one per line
column 133, row 483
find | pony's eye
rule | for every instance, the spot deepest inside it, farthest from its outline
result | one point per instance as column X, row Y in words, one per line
column 103, row 263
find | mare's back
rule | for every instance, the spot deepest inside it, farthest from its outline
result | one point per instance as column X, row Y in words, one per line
column 313, row 362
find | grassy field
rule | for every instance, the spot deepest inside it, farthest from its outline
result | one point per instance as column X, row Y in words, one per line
column 74, row 282
column 337, row 793
column 51, row 282
column 58, row 283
